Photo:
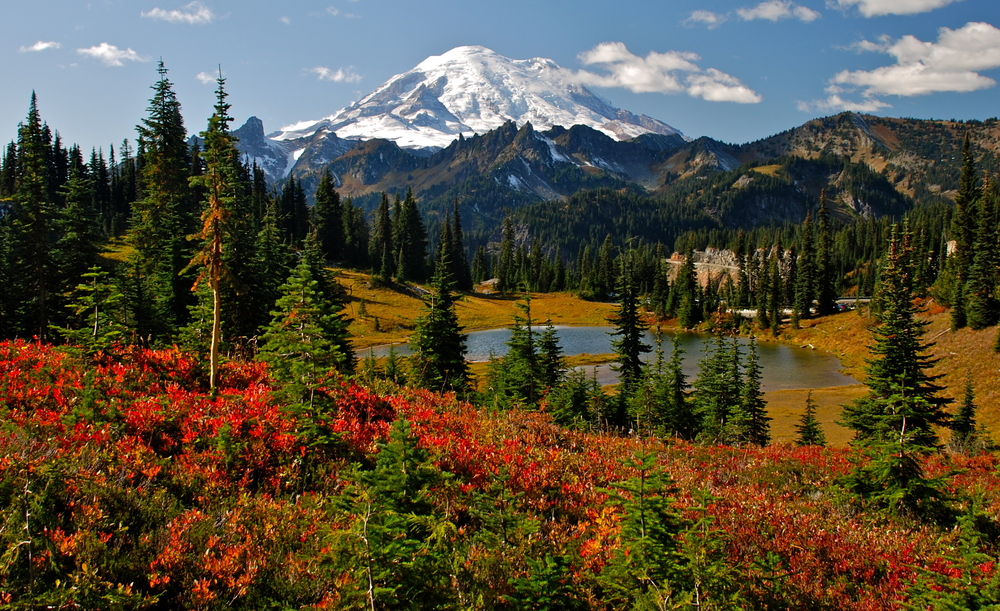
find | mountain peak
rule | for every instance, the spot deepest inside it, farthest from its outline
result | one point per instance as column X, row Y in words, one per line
column 471, row 90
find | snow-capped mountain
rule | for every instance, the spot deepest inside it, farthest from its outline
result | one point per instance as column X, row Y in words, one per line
column 471, row 90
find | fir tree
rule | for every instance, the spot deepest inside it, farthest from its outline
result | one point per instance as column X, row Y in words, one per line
column 808, row 430
column 300, row 344
column 410, row 241
column 717, row 388
column 903, row 400
column 964, row 433
column 460, row 260
column 383, row 250
column 805, row 284
column 505, row 272
column 685, row 293
column 826, row 294
column 629, row 330
column 749, row 422
column 982, row 308
column 964, row 218
column 327, row 214
column 162, row 217
column 221, row 183
column 438, row 361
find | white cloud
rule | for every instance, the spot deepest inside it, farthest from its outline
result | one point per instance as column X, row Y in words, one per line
column 670, row 72
column 206, row 77
column 194, row 13
column 873, row 8
column 952, row 64
column 340, row 75
column 332, row 11
column 707, row 18
column 285, row 20
column 774, row 10
column 112, row 55
column 39, row 46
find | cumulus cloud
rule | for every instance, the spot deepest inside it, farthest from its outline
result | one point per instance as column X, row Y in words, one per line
column 952, row 64
column 873, row 8
column 670, row 72
column 285, row 20
column 706, row 18
column 194, row 13
column 774, row 10
column 206, row 77
column 39, row 46
column 112, row 55
column 340, row 75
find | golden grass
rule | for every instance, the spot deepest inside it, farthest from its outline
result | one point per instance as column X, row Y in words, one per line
column 396, row 308
column 116, row 251
column 965, row 354
column 768, row 170
column 786, row 407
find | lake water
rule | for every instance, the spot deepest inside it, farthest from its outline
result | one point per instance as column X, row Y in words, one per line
column 783, row 366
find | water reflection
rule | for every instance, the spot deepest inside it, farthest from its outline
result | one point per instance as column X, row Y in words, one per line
column 784, row 367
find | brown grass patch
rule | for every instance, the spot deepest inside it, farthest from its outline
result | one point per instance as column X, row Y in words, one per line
column 396, row 308
column 787, row 406
column 768, row 170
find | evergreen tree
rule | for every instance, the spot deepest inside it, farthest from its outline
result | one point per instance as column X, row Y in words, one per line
column 717, row 388
column 805, row 284
column 162, row 217
column 629, row 330
column 96, row 320
column 551, row 363
column 75, row 252
column 982, row 308
column 222, row 186
column 33, row 273
column 514, row 379
column 826, row 293
column 685, row 293
column 903, row 401
column 333, row 297
column 438, row 361
column 460, row 260
column 410, row 241
column 356, row 233
column 328, row 213
column 964, row 433
column 293, row 213
column 808, row 430
column 383, row 250
column 505, row 272
column 749, row 422
column 964, row 218
column 300, row 344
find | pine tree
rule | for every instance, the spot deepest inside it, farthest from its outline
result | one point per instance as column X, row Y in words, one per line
column 964, row 218
column 460, row 260
column 438, row 361
column 717, row 388
column 749, row 422
column 964, row 435
column 505, row 272
column 327, row 214
column 808, row 430
column 685, row 291
column 96, row 320
column 629, row 330
column 162, row 217
column 222, row 186
column 300, row 344
column 903, row 401
column 514, row 379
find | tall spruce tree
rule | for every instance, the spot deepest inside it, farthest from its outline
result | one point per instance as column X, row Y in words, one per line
column 808, row 431
column 902, row 401
column 410, row 241
column 805, row 282
column 222, row 185
column 162, row 217
column 629, row 329
column 750, row 422
column 327, row 215
column 982, row 307
column 383, row 252
column 826, row 281
column 459, row 257
column 32, row 271
column 438, row 361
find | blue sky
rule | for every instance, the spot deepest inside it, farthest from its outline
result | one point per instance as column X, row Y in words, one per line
column 732, row 70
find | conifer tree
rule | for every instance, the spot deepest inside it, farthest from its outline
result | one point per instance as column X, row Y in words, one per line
column 805, row 282
column 808, row 430
column 514, row 379
column 438, row 361
column 293, row 213
column 383, row 251
column 162, row 217
column 96, row 320
column 629, row 330
column 300, row 344
column 221, row 182
column 749, row 422
column 965, row 216
column 327, row 214
column 982, row 307
column 32, row 270
column 460, row 259
column 717, row 388
column 410, row 241
column 685, row 293
column 75, row 252
column 826, row 293
column 505, row 272
column 902, row 402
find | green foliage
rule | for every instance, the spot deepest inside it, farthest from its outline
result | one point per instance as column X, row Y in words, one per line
column 300, row 344
column 808, row 430
column 749, row 422
column 438, row 361
column 96, row 320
